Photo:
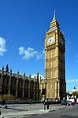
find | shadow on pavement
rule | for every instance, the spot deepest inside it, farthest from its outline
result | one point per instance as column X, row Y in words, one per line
column 16, row 109
column 68, row 116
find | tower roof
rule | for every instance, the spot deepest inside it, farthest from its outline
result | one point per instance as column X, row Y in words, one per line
column 53, row 24
column 54, row 17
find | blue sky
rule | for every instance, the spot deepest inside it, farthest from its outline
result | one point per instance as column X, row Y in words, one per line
column 23, row 25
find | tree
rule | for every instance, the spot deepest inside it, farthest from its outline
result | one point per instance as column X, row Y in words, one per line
column 8, row 97
column 75, row 93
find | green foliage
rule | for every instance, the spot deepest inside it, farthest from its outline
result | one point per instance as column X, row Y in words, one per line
column 7, row 97
column 75, row 93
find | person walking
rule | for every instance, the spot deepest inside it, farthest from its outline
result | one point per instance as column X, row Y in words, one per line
column 3, row 102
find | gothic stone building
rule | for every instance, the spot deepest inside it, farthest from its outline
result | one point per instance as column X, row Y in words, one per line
column 54, row 82
column 18, row 85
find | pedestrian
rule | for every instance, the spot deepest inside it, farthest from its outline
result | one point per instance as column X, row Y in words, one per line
column 3, row 102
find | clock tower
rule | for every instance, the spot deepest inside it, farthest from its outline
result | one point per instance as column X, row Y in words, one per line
column 55, row 84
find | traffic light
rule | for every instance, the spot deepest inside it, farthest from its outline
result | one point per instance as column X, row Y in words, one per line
column 43, row 91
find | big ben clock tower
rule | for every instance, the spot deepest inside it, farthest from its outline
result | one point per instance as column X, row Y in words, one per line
column 55, row 62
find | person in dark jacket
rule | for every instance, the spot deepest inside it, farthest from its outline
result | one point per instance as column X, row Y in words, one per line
column 3, row 102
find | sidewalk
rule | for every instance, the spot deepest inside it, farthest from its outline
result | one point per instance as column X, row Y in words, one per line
column 22, row 113
column 18, row 111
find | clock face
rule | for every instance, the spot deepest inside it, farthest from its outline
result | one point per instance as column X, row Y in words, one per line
column 50, row 40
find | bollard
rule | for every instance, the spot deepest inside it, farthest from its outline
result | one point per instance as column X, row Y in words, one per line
column 0, row 112
column 45, row 107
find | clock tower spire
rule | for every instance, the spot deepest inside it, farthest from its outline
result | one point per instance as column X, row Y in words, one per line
column 54, row 17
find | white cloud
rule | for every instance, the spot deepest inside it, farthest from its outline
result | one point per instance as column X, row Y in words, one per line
column 2, row 46
column 72, row 81
column 29, row 53
column 40, row 55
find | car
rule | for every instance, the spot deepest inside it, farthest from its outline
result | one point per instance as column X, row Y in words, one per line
column 64, row 102
column 70, row 103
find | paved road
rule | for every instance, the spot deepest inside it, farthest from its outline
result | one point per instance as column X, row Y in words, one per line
column 37, row 111
column 65, row 112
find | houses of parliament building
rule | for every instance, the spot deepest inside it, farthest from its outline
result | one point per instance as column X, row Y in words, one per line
column 18, row 85
column 54, row 78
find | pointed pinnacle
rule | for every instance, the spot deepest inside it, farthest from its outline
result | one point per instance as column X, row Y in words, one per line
column 54, row 17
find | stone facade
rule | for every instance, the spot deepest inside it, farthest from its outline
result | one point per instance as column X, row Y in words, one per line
column 18, row 85
column 54, row 82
